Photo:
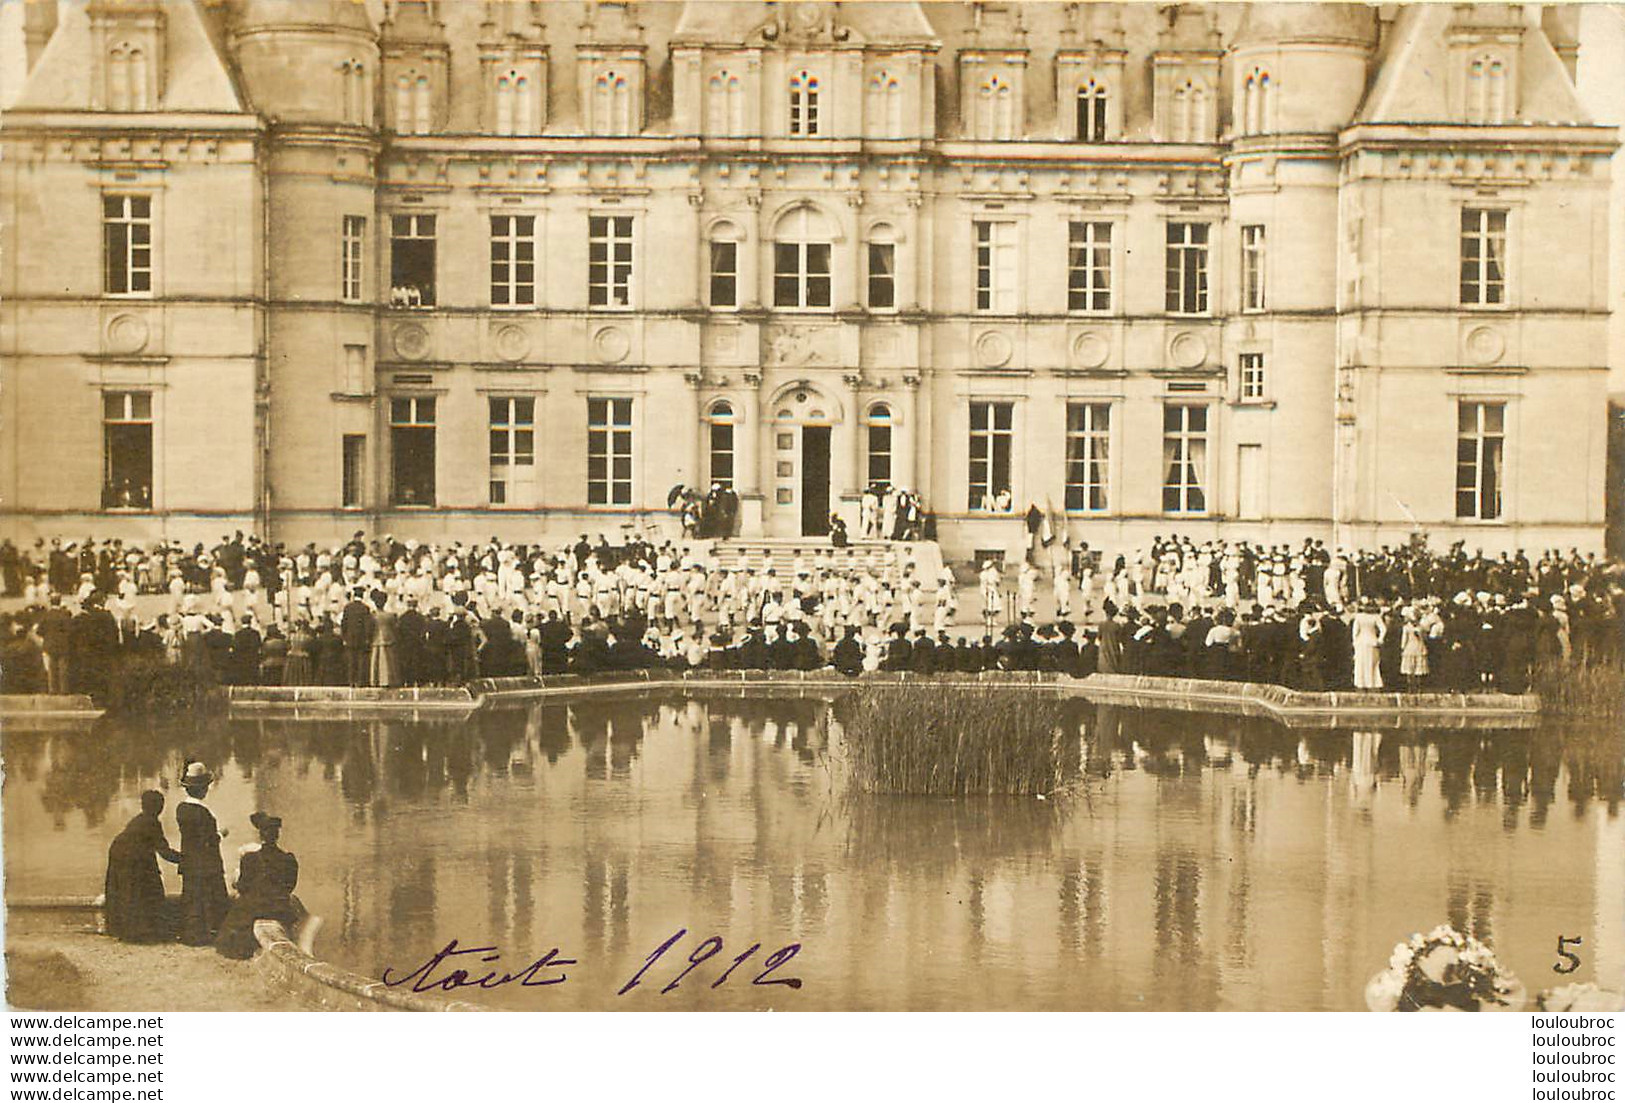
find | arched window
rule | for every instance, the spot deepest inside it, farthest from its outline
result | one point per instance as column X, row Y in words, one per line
column 612, row 103
column 118, row 79
column 1179, row 118
column 721, row 417
column 878, row 444
column 995, row 110
column 505, row 103
column 804, row 120
column 403, row 104
column 801, row 261
column 1487, row 100
column 1092, row 112
column 420, row 105
column 885, row 106
column 723, row 272
column 353, row 81
column 725, row 105
column 1496, row 93
column 1196, row 118
column 1250, row 106
column 882, row 267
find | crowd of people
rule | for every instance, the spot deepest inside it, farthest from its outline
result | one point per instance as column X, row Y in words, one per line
column 387, row 612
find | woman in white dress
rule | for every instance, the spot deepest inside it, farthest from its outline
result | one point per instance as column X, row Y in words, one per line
column 1368, row 632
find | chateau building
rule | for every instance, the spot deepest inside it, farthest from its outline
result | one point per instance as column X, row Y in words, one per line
column 460, row 268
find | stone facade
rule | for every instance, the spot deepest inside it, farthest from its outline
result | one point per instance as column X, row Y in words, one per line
column 454, row 269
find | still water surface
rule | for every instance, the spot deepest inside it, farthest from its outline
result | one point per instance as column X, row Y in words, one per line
column 1200, row 863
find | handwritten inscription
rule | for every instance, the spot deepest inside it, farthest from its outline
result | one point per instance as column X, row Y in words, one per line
column 423, row 978
column 710, row 948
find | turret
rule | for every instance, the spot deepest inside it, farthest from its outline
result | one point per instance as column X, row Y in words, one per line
column 1299, row 68
column 307, row 61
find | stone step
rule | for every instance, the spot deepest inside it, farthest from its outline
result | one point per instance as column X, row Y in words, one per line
column 779, row 554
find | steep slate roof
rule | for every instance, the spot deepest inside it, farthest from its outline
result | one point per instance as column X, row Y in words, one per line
column 195, row 77
column 1412, row 85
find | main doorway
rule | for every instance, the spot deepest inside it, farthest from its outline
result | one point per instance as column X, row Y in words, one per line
column 815, row 480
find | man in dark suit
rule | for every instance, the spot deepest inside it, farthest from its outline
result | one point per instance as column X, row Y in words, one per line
column 899, row 654
column 245, row 653
column 56, row 634
column 436, row 649
column 848, row 656
column 95, row 642
column 217, row 648
column 355, row 629
column 922, row 655
column 411, row 631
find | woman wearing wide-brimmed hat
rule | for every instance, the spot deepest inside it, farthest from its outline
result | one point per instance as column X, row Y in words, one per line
column 265, row 884
column 203, row 875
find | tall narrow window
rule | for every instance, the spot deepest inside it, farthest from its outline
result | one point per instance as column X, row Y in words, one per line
column 801, row 263
column 412, row 259
column 354, row 471
column 1088, row 454
column 352, row 253
column 609, row 260
column 724, row 273
column 1483, row 257
column 882, row 275
column 1092, row 112
column 412, row 450
column 1089, row 266
column 421, row 104
column 879, row 441
column 513, row 451
column 513, row 260
column 1480, row 447
column 804, row 121
column 722, row 444
column 995, row 110
column 1184, row 459
column 995, row 266
column 353, row 88
column 127, row 244
column 725, row 106
column 1187, row 267
column 609, row 451
column 1252, row 376
column 885, row 106
column 991, row 440
column 127, row 450
column 1252, row 268
column 355, row 370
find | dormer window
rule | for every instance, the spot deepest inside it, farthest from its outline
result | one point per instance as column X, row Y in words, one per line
column 886, row 105
column 612, row 103
column 513, row 104
column 1092, row 112
column 412, row 104
column 725, row 105
column 127, row 79
column 1188, row 120
column 1255, row 102
column 1487, row 91
column 353, row 90
column 804, row 105
column 995, row 110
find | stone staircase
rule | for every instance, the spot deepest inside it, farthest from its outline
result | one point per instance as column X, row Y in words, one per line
column 779, row 554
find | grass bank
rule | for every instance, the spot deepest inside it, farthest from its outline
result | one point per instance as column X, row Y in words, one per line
column 933, row 741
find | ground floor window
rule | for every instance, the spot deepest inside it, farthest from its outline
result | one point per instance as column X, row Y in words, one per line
column 513, row 451
column 991, row 441
column 1088, row 453
column 1184, row 459
column 127, row 450
column 412, row 447
column 354, row 474
column 879, row 445
column 609, row 451
column 1480, row 450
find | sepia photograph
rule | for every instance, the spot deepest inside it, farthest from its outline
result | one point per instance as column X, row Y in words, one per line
column 829, row 507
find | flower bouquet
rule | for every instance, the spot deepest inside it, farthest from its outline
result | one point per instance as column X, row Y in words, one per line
column 1444, row 970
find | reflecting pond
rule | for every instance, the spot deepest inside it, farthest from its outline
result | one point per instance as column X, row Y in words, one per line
column 1199, row 862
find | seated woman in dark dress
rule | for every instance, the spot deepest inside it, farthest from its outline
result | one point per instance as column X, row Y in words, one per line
column 135, row 906
column 265, row 887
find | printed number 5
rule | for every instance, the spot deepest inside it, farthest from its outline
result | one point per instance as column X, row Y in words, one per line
column 1567, row 954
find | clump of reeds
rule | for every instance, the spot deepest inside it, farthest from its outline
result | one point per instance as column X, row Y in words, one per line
column 930, row 741
column 1593, row 689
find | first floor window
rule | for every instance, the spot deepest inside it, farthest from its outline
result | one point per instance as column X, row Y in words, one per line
column 412, row 259
column 609, row 451
column 1089, row 266
column 513, row 260
column 609, row 260
column 1252, row 268
column 1252, row 376
column 722, row 444
column 880, row 445
column 351, row 257
column 1184, row 459
column 1187, row 268
column 995, row 266
column 724, row 273
column 353, row 474
column 1088, row 454
column 801, row 274
column 1480, row 450
column 513, row 450
column 991, row 438
column 411, row 445
column 127, row 244
column 127, row 450
column 882, row 275
column 1483, row 257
